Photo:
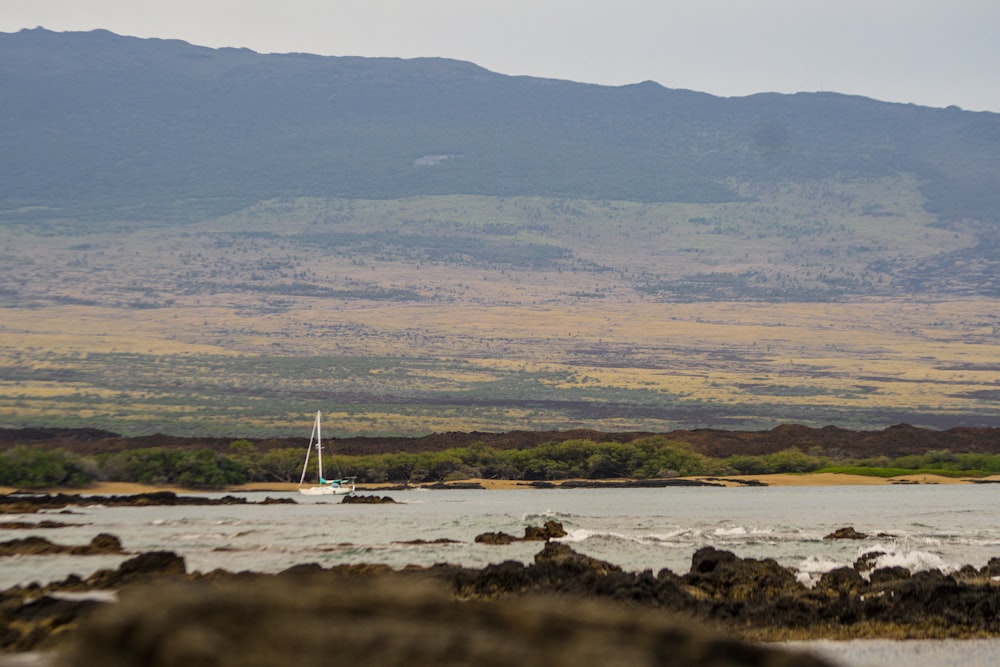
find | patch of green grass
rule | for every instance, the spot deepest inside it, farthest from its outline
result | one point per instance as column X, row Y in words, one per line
column 897, row 472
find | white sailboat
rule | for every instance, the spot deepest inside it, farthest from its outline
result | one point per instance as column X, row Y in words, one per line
column 326, row 487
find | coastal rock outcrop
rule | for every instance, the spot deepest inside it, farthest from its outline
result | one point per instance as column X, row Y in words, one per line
column 103, row 543
column 846, row 533
column 550, row 530
column 753, row 599
column 37, row 617
column 723, row 574
column 367, row 500
column 28, row 503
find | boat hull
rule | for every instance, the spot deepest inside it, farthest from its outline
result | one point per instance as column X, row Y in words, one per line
column 326, row 490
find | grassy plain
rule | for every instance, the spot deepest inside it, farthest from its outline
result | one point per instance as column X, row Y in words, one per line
column 473, row 313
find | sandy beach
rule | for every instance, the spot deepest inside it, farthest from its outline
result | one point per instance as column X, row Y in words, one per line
column 807, row 479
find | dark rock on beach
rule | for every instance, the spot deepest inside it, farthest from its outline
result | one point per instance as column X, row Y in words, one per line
column 439, row 540
column 367, row 500
column 723, row 574
column 104, row 543
column 551, row 530
column 633, row 483
column 866, row 561
column 277, row 501
column 888, row 575
column 499, row 537
column 467, row 486
column 28, row 503
column 847, row 533
column 37, row 617
column 33, row 525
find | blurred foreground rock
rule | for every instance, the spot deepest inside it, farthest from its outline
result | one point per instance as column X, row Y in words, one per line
column 389, row 621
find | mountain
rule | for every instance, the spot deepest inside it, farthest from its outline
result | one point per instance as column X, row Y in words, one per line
column 99, row 124
column 214, row 241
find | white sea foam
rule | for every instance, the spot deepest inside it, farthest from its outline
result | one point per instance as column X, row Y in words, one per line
column 915, row 561
column 547, row 515
column 811, row 568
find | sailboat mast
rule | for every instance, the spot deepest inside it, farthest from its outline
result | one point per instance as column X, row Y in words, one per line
column 305, row 465
column 319, row 448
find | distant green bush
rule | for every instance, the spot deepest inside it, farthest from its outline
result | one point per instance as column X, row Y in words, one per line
column 644, row 458
column 30, row 468
column 785, row 461
column 162, row 466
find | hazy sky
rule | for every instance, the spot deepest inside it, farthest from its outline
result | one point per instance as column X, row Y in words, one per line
column 930, row 52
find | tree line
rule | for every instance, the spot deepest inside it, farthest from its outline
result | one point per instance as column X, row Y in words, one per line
column 645, row 458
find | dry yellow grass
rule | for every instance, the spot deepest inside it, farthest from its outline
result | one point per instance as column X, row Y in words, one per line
column 204, row 292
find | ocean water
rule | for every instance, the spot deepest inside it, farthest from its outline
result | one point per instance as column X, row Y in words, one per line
column 917, row 526
column 921, row 527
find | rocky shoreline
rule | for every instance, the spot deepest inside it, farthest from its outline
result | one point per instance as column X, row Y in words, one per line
column 720, row 602
column 723, row 594
column 30, row 503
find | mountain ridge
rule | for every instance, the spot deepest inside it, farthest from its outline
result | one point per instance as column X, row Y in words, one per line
column 122, row 124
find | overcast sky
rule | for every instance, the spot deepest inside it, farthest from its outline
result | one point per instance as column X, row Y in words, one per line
column 929, row 52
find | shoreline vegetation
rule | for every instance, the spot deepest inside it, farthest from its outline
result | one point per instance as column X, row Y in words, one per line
column 42, row 459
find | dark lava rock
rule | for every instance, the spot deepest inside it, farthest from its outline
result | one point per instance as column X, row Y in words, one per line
column 469, row 486
column 563, row 556
column 633, row 483
column 992, row 568
column 551, row 529
column 439, row 540
column 708, row 559
column 148, row 565
column 866, row 561
column 303, row 569
column 104, row 543
column 886, row 575
column 30, row 546
column 277, row 501
column 367, row 500
column 723, row 574
column 495, row 538
column 847, row 533
column 40, row 623
column 31, row 525
column 24, row 503
column 390, row 621
column 843, row 580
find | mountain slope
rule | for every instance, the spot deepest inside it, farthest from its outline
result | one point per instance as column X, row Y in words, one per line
column 217, row 241
column 102, row 124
